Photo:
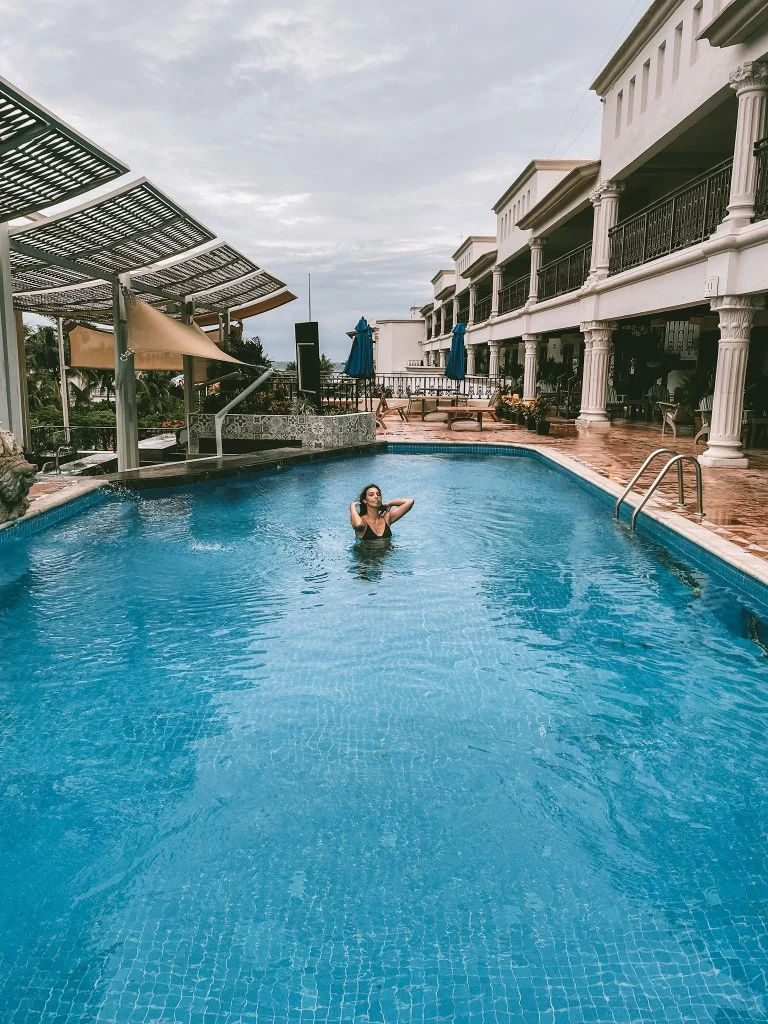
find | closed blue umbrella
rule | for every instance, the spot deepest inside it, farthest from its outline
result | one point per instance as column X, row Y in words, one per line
column 360, row 362
column 455, row 367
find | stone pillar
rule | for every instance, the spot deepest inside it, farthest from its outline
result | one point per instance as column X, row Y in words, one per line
column 597, row 361
column 596, row 198
column 493, row 361
column 455, row 310
column 471, row 360
column 531, row 356
column 537, row 256
column 750, row 81
column 442, row 320
column 606, row 217
column 472, row 301
column 724, row 445
column 497, row 276
column 443, row 354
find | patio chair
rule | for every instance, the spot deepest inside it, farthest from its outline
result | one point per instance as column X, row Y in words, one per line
column 615, row 403
column 705, row 411
column 653, row 396
column 669, row 411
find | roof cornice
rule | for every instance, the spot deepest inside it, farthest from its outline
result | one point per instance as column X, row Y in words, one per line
column 572, row 184
column 529, row 171
column 446, row 293
column 481, row 265
column 449, row 270
column 648, row 25
column 736, row 23
column 469, row 240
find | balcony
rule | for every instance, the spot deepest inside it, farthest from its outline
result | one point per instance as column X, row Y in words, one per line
column 682, row 218
column 566, row 274
column 463, row 317
column 514, row 295
column 482, row 309
column 761, row 184
column 429, row 333
column 448, row 323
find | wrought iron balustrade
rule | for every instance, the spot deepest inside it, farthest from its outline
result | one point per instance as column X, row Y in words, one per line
column 448, row 324
column 682, row 218
column 566, row 274
column 761, row 182
column 463, row 316
column 482, row 309
column 514, row 295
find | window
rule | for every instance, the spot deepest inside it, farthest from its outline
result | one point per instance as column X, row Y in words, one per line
column 619, row 109
column 660, row 69
column 695, row 29
column 630, row 100
column 676, row 52
column 644, row 85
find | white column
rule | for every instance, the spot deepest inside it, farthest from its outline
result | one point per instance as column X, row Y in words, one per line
column 606, row 217
column 724, row 445
column 597, row 361
column 497, row 276
column 596, row 198
column 455, row 310
column 537, row 255
column 471, row 360
column 63, row 384
column 125, row 383
column 442, row 320
column 11, row 349
column 472, row 301
column 751, row 84
column 493, row 361
column 443, row 354
column 531, row 355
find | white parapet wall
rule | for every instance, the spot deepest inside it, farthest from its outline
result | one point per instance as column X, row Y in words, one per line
column 336, row 431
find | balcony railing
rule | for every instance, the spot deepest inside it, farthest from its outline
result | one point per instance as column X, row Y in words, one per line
column 482, row 309
column 682, row 218
column 761, row 184
column 566, row 274
column 514, row 295
column 448, row 323
column 429, row 333
column 463, row 316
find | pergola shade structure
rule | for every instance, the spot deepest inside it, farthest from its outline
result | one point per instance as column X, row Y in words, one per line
column 42, row 160
column 112, row 234
column 217, row 265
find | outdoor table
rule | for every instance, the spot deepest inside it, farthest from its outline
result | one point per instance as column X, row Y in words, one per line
column 457, row 412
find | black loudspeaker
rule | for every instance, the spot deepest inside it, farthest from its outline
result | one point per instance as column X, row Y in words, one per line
column 308, row 361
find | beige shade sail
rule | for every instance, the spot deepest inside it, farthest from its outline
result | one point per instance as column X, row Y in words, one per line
column 95, row 350
column 253, row 309
column 150, row 330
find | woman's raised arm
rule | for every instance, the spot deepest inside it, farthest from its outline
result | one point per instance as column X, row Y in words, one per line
column 398, row 508
column 357, row 521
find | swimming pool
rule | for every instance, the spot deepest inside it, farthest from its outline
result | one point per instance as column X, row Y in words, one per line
column 511, row 768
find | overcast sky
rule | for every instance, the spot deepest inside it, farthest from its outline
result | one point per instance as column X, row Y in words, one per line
column 358, row 140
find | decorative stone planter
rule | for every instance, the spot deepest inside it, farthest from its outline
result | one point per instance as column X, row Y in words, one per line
column 311, row 431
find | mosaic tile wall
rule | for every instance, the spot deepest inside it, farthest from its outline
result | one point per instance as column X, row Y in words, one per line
column 312, row 431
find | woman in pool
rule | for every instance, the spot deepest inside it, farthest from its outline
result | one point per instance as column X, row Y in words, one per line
column 373, row 520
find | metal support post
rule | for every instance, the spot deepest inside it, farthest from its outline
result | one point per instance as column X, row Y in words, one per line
column 125, row 383
column 11, row 349
column 63, row 383
column 188, row 366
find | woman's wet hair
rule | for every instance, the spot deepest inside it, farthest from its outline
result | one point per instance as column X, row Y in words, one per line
column 361, row 499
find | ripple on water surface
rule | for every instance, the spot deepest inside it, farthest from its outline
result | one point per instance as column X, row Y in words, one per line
column 509, row 767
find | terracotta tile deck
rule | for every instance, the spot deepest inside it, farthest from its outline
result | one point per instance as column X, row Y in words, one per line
column 735, row 501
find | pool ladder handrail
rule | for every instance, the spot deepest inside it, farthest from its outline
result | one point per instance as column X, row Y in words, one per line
column 676, row 460
column 639, row 473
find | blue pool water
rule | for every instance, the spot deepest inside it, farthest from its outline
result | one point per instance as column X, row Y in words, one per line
column 513, row 768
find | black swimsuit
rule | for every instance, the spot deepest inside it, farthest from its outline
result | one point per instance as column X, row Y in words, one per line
column 370, row 535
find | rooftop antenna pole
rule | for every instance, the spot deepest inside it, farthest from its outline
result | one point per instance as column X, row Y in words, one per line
column 309, row 295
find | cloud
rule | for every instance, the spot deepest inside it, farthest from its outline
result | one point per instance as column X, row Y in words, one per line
column 359, row 142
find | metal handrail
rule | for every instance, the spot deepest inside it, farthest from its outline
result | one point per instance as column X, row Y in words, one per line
column 678, row 459
column 639, row 473
column 218, row 419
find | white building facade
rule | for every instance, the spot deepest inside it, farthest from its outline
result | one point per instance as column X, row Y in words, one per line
column 664, row 237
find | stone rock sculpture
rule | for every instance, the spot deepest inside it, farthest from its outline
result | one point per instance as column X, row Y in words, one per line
column 16, row 477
